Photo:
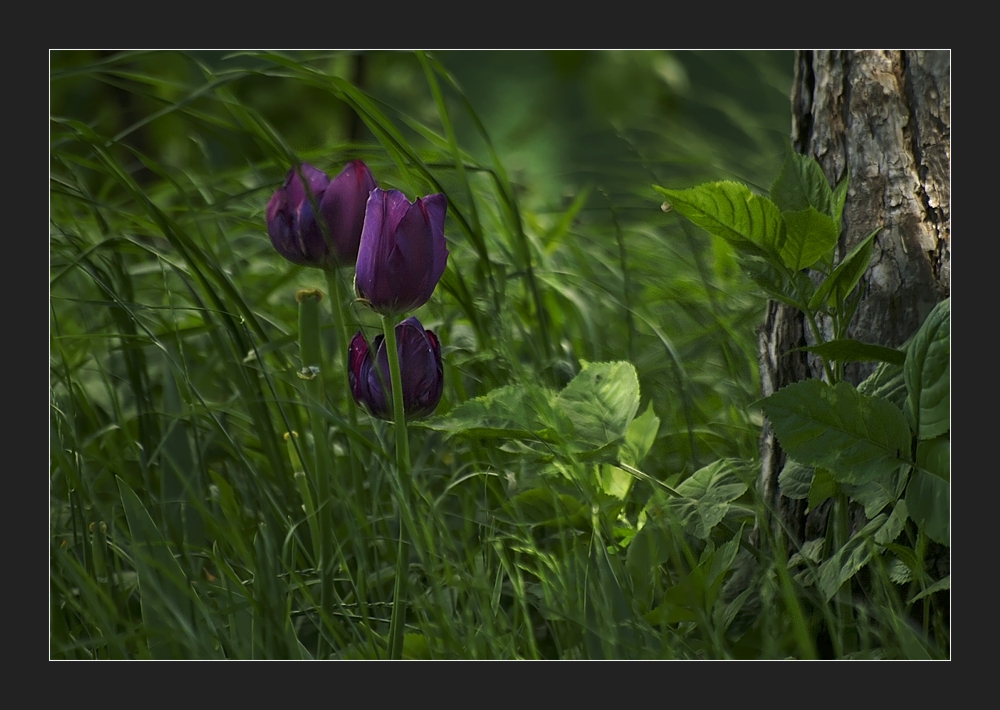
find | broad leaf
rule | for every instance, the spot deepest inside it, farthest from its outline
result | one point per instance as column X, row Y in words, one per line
column 729, row 210
column 802, row 184
column 600, row 402
column 934, row 456
column 928, row 500
column 848, row 350
column 506, row 412
column 810, row 235
column 823, row 487
column 856, row 437
column 887, row 383
column 879, row 492
column 894, row 525
column 928, row 372
column 640, row 437
column 795, row 479
column 707, row 496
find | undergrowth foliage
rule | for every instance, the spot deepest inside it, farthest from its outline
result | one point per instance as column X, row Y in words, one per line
column 586, row 484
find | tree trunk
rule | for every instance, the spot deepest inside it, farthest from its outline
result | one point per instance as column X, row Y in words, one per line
column 886, row 117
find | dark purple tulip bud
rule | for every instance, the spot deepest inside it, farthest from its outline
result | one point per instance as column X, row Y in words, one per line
column 420, row 370
column 403, row 251
column 292, row 224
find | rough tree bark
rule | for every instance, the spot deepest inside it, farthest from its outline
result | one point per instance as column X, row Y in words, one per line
column 886, row 117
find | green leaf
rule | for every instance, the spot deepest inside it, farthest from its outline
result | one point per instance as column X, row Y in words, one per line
column 848, row 560
column 707, row 496
column 887, row 383
column 934, row 456
column 848, row 350
column 729, row 210
column 928, row 372
column 506, row 412
column 600, row 402
column 776, row 282
column 823, row 487
column 640, row 436
column 928, row 500
column 810, row 235
column 838, row 286
column 856, row 437
column 795, row 479
column 878, row 492
column 938, row 586
column 615, row 481
column 802, row 184
column 894, row 525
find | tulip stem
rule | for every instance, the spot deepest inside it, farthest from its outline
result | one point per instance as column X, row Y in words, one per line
column 312, row 373
column 398, row 620
column 335, row 287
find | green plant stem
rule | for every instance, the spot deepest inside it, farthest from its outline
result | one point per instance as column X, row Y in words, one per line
column 819, row 340
column 312, row 373
column 398, row 619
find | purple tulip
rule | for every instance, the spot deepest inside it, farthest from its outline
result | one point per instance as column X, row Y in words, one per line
column 420, row 369
column 292, row 224
column 403, row 251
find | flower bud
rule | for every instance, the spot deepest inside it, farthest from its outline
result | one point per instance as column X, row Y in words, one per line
column 421, row 371
column 291, row 221
column 403, row 251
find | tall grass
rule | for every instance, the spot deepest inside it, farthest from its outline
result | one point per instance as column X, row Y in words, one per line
column 209, row 502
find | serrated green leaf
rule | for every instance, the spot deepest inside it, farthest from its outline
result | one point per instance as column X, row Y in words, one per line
column 600, row 402
column 614, row 481
column 824, row 486
column 938, row 586
column 838, row 286
column 730, row 210
column 899, row 572
column 886, row 382
column 856, row 437
column 802, row 184
column 848, row 350
column 506, row 412
column 708, row 494
column 894, row 525
column 878, row 492
column 809, row 236
column 928, row 501
column 795, row 479
column 928, row 373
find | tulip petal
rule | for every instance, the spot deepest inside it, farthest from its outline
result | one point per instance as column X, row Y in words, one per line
column 343, row 207
column 421, row 371
column 403, row 251
column 378, row 271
